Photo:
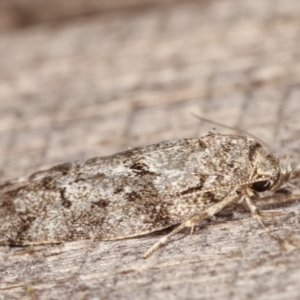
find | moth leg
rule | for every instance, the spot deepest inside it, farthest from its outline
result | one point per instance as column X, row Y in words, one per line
column 257, row 216
column 194, row 221
column 192, row 230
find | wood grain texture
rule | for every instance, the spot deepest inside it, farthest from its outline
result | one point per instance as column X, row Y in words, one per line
column 95, row 86
column 16, row 14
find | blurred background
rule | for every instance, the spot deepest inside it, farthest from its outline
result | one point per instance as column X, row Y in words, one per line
column 86, row 78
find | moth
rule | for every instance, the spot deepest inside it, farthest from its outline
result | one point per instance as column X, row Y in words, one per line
column 139, row 191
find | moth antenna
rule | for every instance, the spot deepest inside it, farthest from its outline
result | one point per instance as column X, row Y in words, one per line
column 241, row 132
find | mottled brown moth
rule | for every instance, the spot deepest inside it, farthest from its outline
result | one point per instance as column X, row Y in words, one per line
column 139, row 191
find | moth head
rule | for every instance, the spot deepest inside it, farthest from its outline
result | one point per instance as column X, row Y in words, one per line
column 268, row 175
column 270, row 184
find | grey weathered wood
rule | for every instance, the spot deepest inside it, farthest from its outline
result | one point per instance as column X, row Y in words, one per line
column 16, row 14
column 96, row 86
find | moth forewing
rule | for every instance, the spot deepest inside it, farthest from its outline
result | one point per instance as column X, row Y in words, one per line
column 138, row 191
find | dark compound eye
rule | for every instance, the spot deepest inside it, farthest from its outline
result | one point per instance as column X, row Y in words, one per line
column 261, row 186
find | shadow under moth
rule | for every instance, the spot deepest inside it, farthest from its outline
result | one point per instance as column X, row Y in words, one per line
column 139, row 191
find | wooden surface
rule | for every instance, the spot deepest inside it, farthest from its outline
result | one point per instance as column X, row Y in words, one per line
column 94, row 86
column 16, row 14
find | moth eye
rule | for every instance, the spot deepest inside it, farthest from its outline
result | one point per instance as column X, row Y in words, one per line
column 261, row 186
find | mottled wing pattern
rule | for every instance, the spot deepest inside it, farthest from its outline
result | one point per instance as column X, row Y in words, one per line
column 130, row 193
